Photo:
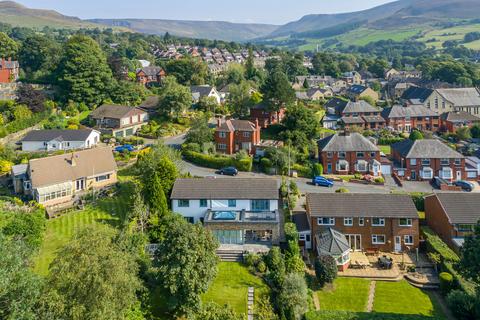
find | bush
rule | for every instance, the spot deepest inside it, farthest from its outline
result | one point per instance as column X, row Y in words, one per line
column 418, row 199
column 302, row 171
column 446, row 282
column 317, row 169
column 436, row 245
column 252, row 259
column 357, row 176
column 291, row 232
column 462, row 305
column 342, row 190
column 379, row 180
column 325, row 269
column 195, row 147
column 388, row 141
column 261, row 267
column 217, row 161
column 266, row 164
column 294, row 188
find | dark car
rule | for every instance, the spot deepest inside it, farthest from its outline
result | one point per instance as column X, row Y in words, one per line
column 465, row 185
column 322, row 181
column 228, row 171
column 437, row 182
column 125, row 147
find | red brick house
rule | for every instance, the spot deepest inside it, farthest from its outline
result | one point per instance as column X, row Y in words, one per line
column 232, row 136
column 9, row 70
column 360, row 114
column 411, row 117
column 385, row 222
column 266, row 118
column 150, row 75
column 452, row 216
column 453, row 120
column 348, row 153
column 425, row 159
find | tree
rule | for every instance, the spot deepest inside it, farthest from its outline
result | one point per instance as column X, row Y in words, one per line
column 8, row 46
column 207, row 104
column 20, row 288
column 235, row 73
column 157, row 201
column 276, row 268
column 250, row 70
column 34, row 99
column 200, row 132
column 174, row 98
column 91, row 278
column 140, row 211
column 463, row 133
column 325, row 269
column 240, row 98
column 213, row 311
column 83, row 72
column 186, row 263
column 277, row 91
column 301, row 125
column 378, row 67
column 128, row 93
column 369, row 100
column 28, row 226
column 475, row 131
column 416, row 135
column 188, row 70
column 38, row 52
column 293, row 297
column 469, row 264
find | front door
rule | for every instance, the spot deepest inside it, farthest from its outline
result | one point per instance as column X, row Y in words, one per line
column 414, row 175
column 355, row 241
column 398, row 244
column 459, row 175
column 80, row 184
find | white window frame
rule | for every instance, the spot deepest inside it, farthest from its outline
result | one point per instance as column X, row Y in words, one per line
column 222, row 134
column 361, row 222
column 185, row 204
column 375, row 239
column 429, row 175
column 331, row 221
column 348, row 221
column 426, row 162
column 221, row 146
column 413, row 162
column 450, row 173
column 381, row 222
column 408, row 236
column 409, row 222
column 444, row 162
column 246, row 134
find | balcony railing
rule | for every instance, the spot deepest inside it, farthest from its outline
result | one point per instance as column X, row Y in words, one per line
column 229, row 216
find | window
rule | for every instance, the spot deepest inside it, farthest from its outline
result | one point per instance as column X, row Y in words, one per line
column 361, row 222
column 342, row 165
column 203, row 203
column 348, row 221
column 378, row 222
column 190, row 219
column 246, row 134
column 362, row 166
column 102, row 178
column 222, row 134
column 342, row 155
column 413, row 162
column 405, row 222
column 373, row 154
column 260, row 205
column 360, row 154
column 221, row 146
column 183, row 203
column 378, row 239
column 447, row 173
column 458, row 162
column 444, row 162
column 408, row 239
column 427, row 173
column 464, row 227
column 329, row 154
column 425, row 162
column 301, row 237
column 326, row 221
column 307, row 237
column 232, row 203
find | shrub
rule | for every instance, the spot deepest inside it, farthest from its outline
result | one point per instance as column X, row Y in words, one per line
column 244, row 164
column 252, row 259
column 195, row 147
column 462, row 305
column 388, row 141
column 418, row 199
column 261, row 267
column 294, row 188
column 379, row 180
column 291, row 232
column 342, row 190
column 266, row 164
column 317, row 169
column 302, row 171
column 358, row 176
column 325, row 269
column 436, row 245
column 415, row 135
column 446, row 282
column 217, row 161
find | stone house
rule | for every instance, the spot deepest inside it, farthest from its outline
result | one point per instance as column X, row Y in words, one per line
column 356, row 92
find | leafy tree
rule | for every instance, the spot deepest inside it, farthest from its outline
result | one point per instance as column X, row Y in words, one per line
column 369, row 100
column 263, row 309
column 91, row 278
column 157, row 201
column 475, row 131
column 463, row 133
column 140, row 211
column 34, row 99
column 240, row 98
column 200, row 132
column 378, row 67
column 186, row 263
column 301, row 125
column 325, row 269
column 207, row 104
column 20, row 288
column 213, row 311
column 128, row 93
column 276, row 268
column 471, row 36
column 83, row 73
column 174, row 98
column 277, row 91
column 38, row 52
column 250, row 70
column 293, row 260
column 416, row 135
column 188, row 71
column 8, row 46
column 325, row 64
column 469, row 264
column 26, row 226
column 235, row 73
column 294, row 296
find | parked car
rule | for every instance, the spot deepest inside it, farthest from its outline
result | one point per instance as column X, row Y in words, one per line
column 228, row 171
column 437, row 182
column 322, row 182
column 465, row 185
column 125, row 147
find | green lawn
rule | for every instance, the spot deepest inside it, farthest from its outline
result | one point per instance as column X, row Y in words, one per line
column 385, row 149
column 348, row 294
column 231, row 286
column 59, row 230
column 402, row 298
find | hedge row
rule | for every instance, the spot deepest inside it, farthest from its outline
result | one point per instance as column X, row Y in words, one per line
column 436, row 245
column 217, row 161
column 302, row 171
column 389, row 141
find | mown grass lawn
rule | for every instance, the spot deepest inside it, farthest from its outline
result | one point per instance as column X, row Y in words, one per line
column 402, row 298
column 231, row 286
column 347, row 294
column 385, row 149
column 108, row 211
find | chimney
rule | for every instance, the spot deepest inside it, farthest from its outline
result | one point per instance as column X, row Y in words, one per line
column 219, row 122
column 256, row 123
column 346, row 132
column 72, row 161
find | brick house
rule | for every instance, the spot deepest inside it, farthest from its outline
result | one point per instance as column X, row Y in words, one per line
column 118, row 121
column 404, row 119
column 360, row 114
column 452, row 216
column 266, row 118
column 150, row 75
column 453, row 120
column 9, row 70
column 424, row 159
column 356, row 92
column 232, row 136
column 348, row 153
column 387, row 222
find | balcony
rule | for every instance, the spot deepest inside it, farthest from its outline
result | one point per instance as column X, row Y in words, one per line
column 242, row 216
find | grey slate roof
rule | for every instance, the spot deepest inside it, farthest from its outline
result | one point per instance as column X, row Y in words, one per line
column 357, row 89
column 352, row 120
column 425, row 149
column 459, row 116
column 359, row 107
column 332, row 241
column 461, row 97
column 337, row 104
column 417, row 93
column 61, row 135
column 461, row 208
column 417, row 110
column 373, row 119
column 341, row 142
column 151, row 71
column 360, row 205
column 113, row 111
column 301, row 221
column 201, row 90
column 226, row 188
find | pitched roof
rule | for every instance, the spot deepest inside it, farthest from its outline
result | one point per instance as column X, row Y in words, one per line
column 352, row 120
column 301, row 221
column 373, row 119
column 359, row 107
column 360, row 205
column 351, row 142
column 461, row 97
column 236, row 125
column 114, row 111
column 60, row 135
column 357, row 89
column 417, row 93
column 425, row 149
column 461, row 208
column 416, row 110
column 301, row 95
column 332, row 242
column 459, row 116
column 226, row 188
column 58, row 169
column 150, row 70
column 203, row 90
column 337, row 104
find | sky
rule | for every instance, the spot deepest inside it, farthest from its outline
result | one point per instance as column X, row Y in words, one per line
column 251, row 11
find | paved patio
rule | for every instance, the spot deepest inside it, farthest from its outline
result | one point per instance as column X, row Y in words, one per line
column 252, row 248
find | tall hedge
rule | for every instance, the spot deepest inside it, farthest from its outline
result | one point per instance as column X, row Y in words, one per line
column 217, row 161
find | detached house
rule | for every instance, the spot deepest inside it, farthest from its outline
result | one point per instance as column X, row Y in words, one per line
column 404, row 119
column 9, row 70
column 452, row 216
column 56, row 181
column 118, row 121
column 453, row 120
column 54, row 140
column 150, row 75
column 264, row 116
column 237, row 210
column 205, row 91
column 356, row 92
column 232, row 136
column 425, row 159
column 348, row 153
column 360, row 114
column 385, row 222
